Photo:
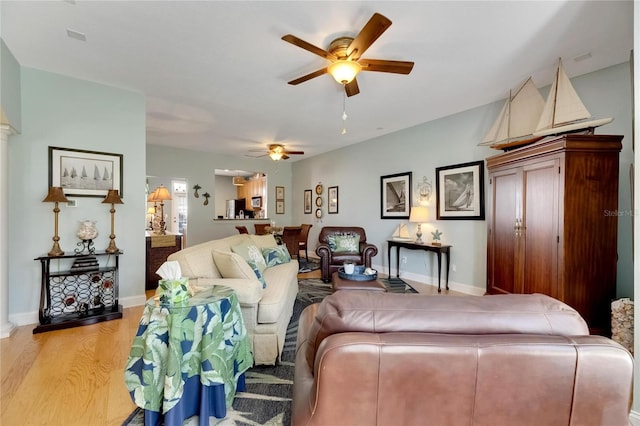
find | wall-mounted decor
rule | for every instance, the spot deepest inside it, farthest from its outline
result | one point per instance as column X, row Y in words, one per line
column 460, row 191
column 395, row 196
column 196, row 187
column 280, row 193
column 83, row 173
column 256, row 202
column 307, row 201
column 279, row 206
column 424, row 190
column 206, row 196
column 332, row 195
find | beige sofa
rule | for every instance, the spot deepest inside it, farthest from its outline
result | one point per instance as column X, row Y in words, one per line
column 266, row 311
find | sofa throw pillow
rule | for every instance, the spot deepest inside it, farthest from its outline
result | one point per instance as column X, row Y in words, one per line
column 331, row 240
column 276, row 255
column 232, row 265
column 258, row 272
column 250, row 253
column 347, row 243
column 263, row 241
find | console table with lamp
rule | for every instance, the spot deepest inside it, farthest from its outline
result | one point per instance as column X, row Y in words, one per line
column 420, row 215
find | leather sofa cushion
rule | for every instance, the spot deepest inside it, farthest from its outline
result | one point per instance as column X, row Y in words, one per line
column 376, row 312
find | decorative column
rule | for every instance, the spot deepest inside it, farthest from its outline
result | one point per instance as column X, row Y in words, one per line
column 6, row 327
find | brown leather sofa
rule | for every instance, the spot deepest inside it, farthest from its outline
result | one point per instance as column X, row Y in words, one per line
column 372, row 358
column 331, row 261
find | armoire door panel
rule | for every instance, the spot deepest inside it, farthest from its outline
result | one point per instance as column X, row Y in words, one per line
column 540, row 227
column 504, row 186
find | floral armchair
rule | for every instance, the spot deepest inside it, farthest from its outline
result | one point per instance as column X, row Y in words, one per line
column 337, row 244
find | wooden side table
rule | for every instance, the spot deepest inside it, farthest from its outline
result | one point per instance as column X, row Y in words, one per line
column 159, row 247
column 438, row 250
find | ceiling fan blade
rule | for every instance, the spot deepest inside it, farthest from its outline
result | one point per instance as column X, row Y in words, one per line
column 285, row 157
column 256, row 156
column 308, row 46
column 308, row 76
column 352, row 88
column 373, row 29
column 381, row 65
column 294, row 152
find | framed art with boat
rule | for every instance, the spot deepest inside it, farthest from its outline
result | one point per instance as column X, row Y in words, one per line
column 460, row 191
column 83, row 173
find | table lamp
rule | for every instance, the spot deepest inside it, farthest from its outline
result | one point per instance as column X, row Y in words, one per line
column 55, row 195
column 112, row 198
column 160, row 194
column 419, row 215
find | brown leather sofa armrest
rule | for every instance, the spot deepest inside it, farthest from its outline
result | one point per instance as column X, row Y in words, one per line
column 323, row 250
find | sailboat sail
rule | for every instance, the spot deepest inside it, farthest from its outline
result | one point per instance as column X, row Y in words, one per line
column 96, row 172
column 564, row 110
column 105, row 175
column 518, row 117
column 401, row 233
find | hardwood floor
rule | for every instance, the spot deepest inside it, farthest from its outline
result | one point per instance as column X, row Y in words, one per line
column 75, row 376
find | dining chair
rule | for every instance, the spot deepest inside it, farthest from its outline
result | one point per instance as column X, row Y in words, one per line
column 261, row 228
column 304, row 236
column 291, row 237
column 242, row 229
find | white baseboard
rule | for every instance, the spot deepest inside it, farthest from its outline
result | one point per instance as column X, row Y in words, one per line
column 433, row 281
column 634, row 418
column 27, row 318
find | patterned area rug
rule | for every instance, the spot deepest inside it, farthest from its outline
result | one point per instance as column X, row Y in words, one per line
column 267, row 399
column 309, row 266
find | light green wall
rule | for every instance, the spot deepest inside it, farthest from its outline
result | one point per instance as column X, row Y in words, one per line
column 356, row 169
column 65, row 112
column 10, row 87
column 198, row 168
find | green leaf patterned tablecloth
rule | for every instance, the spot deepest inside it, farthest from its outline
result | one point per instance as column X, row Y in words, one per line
column 203, row 336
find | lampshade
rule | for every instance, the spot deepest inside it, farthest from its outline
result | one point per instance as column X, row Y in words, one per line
column 151, row 197
column 161, row 193
column 112, row 197
column 344, row 71
column 55, row 195
column 238, row 180
column 419, row 214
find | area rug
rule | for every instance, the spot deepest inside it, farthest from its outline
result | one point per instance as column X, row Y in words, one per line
column 267, row 399
column 309, row 266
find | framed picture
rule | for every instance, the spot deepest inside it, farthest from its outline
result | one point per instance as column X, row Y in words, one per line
column 85, row 173
column 280, row 193
column 279, row 206
column 307, row 201
column 395, row 196
column 333, row 200
column 460, row 191
column 256, row 202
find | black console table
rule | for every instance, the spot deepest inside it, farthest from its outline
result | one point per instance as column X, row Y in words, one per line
column 438, row 250
column 84, row 294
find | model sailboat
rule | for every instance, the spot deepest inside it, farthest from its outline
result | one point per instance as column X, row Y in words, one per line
column 517, row 120
column 401, row 233
column 564, row 111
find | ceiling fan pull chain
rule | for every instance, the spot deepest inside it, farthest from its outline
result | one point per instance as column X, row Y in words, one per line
column 344, row 113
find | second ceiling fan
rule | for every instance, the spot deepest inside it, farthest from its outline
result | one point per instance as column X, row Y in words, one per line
column 345, row 54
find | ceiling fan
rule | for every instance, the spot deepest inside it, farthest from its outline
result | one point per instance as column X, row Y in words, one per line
column 278, row 152
column 345, row 54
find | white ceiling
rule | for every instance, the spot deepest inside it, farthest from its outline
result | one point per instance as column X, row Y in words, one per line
column 215, row 73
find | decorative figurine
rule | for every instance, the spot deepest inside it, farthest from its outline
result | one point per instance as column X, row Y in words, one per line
column 436, row 238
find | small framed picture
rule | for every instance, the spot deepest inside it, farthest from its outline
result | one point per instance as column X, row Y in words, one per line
column 395, row 196
column 83, row 173
column 307, row 201
column 332, row 195
column 460, row 191
column 256, row 202
column 279, row 193
column 279, row 206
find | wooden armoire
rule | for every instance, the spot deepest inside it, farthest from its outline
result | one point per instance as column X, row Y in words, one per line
column 553, row 223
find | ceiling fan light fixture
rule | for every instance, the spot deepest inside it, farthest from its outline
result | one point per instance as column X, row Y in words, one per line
column 344, row 71
column 275, row 155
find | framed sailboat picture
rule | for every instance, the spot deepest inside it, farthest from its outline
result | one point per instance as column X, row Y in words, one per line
column 83, row 173
column 460, row 191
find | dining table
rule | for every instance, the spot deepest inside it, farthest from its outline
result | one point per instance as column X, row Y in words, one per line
column 188, row 358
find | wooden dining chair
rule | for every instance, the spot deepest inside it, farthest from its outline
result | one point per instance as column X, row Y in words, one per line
column 261, row 228
column 304, row 236
column 242, row 229
column 291, row 237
